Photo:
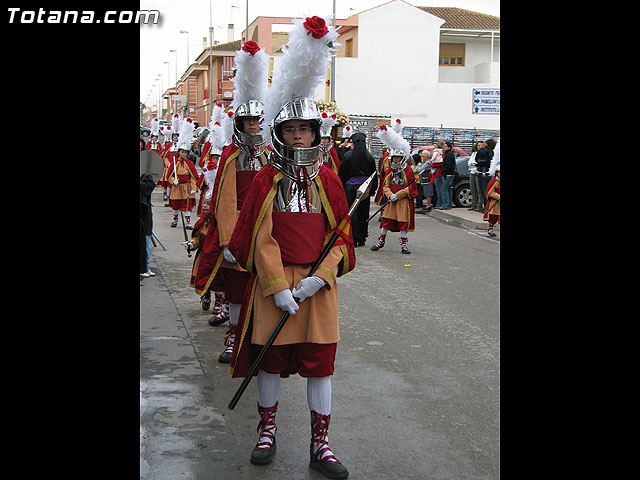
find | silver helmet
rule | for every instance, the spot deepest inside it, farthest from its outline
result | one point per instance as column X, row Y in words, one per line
column 397, row 165
column 287, row 158
column 251, row 144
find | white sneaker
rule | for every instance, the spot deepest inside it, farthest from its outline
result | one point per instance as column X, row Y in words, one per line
column 149, row 273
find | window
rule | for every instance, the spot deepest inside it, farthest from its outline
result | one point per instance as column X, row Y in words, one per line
column 452, row 54
column 348, row 47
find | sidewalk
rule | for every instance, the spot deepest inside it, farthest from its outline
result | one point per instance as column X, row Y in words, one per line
column 460, row 216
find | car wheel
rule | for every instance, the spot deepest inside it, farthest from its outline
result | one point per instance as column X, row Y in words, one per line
column 462, row 195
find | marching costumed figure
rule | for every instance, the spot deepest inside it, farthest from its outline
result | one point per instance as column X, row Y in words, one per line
column 202, row 235
column 492, row 208
column 238, row 165
column 216, row 118
column 292, row 206
column 383, row 166
column 169, row 152
column 398, row 188
column 153, row 143
column 182, row 176
column 327, row 150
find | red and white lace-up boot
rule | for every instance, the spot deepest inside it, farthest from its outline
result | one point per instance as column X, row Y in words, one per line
column 225, row 357
column 175, row 221
column 221, row 317
column 217, row 306
column 322, row 458
column 403, row 244
column 379, row 244
column 265, row 449
column 205, row 300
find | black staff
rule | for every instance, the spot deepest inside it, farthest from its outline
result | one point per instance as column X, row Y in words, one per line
column 362, row 192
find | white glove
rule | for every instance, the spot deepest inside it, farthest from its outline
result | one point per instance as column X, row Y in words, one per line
column 227, row 255
column 393, row 197
column 284, row 300
column 188, row 246
column 307, row 287
column 192, row 192
column 176, row 182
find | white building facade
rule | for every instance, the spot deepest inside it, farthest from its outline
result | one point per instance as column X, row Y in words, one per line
column 397, row 71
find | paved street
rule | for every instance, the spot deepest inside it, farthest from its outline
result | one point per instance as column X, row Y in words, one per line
column 416, row 392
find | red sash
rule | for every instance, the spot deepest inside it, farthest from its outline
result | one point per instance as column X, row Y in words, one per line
column 243, row 184
column 184, row 178
column 300, row 236
column 395, row 188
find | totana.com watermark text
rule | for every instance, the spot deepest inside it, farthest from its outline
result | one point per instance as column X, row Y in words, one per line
column 16, row 15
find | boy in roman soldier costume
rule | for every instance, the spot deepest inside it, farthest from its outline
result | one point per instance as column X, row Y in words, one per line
column 399, row 187
column 216, row 118
column 153, row 143
column 492, row 209
column 328, row 151
column 293, row 207
column 182, row 176
column 239, row 163
column 383, row 166
column 219, row 138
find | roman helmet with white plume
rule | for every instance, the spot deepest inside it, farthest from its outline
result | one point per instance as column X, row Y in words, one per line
column 397, row 145
column 249, row 90
column 216, row 124
column 328, row 121
column 298, row 75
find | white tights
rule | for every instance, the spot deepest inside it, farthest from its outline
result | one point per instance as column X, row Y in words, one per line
column 318, row 391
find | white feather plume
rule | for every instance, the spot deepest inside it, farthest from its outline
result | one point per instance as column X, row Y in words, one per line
column 347, row 131
column 216, row 115
column 155, row 126
column 250, row 80
column 397, row 126
column 394, row 140
column 176, row 120
column 327, row 123
column 302, row 68
column 186, row 134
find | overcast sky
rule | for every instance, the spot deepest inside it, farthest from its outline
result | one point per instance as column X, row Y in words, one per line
column 156, row 41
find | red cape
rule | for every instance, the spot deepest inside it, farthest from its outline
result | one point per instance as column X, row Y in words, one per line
column 211, row 251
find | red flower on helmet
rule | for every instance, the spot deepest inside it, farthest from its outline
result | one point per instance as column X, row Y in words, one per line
column 383, row 127
column 398, row 120
column 324, row 115
column 251, row 47
column 316, row 26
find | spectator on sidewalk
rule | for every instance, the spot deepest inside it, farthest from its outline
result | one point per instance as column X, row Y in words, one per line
column 477, row 199
column 147, row 184
column 483, row 161
column 426, row 179
column 448, row 171
column 436, row 164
